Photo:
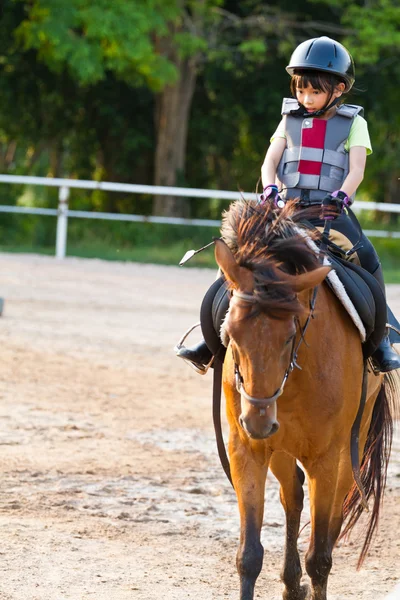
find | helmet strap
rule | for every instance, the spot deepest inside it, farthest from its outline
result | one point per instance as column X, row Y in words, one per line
column 302, row 112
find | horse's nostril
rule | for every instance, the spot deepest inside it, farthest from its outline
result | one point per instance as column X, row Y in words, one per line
column 274, row 427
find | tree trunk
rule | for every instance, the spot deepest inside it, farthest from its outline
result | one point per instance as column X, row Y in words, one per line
column 34, row 153
column 10, row 154
column 171, row 118
column 55, row 159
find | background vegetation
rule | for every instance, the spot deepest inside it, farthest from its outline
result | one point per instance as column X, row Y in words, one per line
column 172, row 92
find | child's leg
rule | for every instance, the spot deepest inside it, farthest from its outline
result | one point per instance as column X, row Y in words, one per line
column 385, row 357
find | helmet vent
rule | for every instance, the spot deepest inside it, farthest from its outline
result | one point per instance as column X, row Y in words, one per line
column 309, row 50
column 335, row 50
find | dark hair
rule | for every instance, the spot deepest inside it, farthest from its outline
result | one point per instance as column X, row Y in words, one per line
column 319, row 80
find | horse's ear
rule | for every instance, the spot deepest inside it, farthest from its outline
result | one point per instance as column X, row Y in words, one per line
column 241, row 277
column 308, row 280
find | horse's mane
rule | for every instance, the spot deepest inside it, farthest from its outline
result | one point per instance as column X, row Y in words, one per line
column 268, row 242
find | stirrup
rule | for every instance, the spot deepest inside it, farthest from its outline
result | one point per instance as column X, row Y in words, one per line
column 201, row 370
column 389, row 326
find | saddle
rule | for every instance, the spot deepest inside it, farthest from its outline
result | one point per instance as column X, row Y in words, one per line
column 212, row 314
column 367, row 297
column 360, row 287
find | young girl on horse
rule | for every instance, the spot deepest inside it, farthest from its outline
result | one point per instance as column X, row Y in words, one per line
column 318, row 154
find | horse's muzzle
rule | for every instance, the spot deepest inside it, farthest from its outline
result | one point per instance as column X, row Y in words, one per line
column 258, row 428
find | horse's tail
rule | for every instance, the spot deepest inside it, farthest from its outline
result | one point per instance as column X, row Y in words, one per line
column 375, row 460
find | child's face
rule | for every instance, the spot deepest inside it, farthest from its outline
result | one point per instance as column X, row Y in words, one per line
column 314, row 99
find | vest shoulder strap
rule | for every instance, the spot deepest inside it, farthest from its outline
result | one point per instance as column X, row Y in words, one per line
column 289, row 104
column 350, row 110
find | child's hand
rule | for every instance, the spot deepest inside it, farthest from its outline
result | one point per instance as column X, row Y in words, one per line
column 333, row 205
column 270, row 193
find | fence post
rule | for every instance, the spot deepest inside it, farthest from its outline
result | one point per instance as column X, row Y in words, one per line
column 62, row 222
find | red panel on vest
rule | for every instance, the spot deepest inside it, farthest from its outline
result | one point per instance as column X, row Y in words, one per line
column 310, row 167
column 313, row 137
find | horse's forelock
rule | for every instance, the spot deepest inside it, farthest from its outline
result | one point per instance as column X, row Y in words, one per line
column 268, row 242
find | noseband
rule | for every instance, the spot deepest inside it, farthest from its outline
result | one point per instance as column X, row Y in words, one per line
column 264, row 403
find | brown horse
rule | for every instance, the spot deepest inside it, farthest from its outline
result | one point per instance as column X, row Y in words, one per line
column 279, row 414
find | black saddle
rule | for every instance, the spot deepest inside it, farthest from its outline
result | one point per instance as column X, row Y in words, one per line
column 368, row 298
column 212, row 313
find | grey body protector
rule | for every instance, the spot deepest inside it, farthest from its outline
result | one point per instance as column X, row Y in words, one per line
column 334, row 158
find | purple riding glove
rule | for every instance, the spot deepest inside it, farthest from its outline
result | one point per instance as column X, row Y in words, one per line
column 333, row 205
column 270, row 192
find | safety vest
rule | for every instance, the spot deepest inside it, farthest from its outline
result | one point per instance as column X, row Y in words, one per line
column 314, row 162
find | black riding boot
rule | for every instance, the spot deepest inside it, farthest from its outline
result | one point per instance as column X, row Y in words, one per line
column 385, row 357
column 199, row 356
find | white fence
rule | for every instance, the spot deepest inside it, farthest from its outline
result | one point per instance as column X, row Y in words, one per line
column 63, row 212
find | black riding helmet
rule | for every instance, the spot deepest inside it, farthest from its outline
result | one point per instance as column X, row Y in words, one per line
column 326, row 55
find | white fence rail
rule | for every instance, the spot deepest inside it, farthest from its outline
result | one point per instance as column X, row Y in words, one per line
column 63, row 212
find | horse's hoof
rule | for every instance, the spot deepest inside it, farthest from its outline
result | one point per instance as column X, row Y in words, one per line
column 306, row 591
column 302, row 593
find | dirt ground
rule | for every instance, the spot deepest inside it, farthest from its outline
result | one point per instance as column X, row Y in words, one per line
column 111, row 486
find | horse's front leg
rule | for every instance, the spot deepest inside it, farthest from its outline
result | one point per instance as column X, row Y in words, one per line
column 327, row 492
column 291, row 480
column 249, row 466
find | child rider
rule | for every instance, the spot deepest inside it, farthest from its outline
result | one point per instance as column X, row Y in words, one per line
column 318, row 154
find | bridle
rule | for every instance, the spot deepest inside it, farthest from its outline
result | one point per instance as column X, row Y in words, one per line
column 264, row 403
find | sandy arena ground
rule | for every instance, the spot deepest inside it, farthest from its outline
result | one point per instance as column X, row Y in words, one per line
column 111, row 486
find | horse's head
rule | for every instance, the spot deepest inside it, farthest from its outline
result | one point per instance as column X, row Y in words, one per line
column 262, row 334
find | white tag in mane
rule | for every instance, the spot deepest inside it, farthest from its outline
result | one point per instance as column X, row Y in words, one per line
column 222, row 331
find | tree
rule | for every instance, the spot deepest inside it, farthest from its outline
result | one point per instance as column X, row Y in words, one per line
column 90, row 39
column 107, row 89
column 78, row 82
column 228, row 34
column 161, row 44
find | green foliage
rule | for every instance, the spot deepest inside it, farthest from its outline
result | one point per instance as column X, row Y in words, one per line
column 93, row 38
column 189, row 44
column 254, row 50
column 80, row 81
column 375, row 44
column 377, row 28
